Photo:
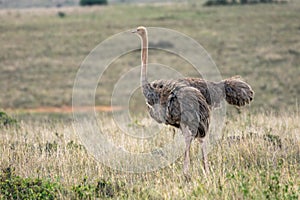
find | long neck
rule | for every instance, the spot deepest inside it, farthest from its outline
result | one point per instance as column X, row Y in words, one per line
column 144, row 58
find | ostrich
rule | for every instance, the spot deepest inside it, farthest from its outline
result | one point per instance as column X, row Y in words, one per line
column 186, row 103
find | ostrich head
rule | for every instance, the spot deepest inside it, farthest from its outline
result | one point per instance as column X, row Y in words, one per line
column 141, row 31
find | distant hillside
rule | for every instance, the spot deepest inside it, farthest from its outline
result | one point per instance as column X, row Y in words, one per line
column 36, row 3
column 62, row 3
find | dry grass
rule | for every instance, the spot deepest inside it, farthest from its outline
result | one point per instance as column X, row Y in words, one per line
column 262, row 164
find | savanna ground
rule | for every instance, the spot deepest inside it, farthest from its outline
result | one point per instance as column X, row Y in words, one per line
column 42, row 49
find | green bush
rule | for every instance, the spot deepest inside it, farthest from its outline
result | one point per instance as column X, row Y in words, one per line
column 230, row 2
column 103, row 189
column 92, row 2
column 15, row 187
column 215, row 2
column 6, row 120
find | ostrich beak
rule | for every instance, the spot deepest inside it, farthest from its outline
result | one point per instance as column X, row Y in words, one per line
column 134, row 31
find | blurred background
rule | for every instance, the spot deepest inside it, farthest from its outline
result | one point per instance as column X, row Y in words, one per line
column 43, row 44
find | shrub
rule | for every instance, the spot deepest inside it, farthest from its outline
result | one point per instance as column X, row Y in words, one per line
column 15, row 187
column 61, row 14
column 92, row 2
column 6, row 120
column 230, row 2
column 103, row 189
column 215, row 2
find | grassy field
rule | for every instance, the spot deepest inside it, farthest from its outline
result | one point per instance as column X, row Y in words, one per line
column 42, row 50
column 263, row 164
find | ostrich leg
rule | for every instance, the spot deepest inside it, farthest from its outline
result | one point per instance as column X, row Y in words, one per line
column 188, row 140
column 203, row 143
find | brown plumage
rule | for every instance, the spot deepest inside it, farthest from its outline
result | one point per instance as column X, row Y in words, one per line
column 186, row 103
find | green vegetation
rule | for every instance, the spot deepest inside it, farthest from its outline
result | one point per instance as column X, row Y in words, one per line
column 15, row 187
column 102, row 189
column 6, row 120
column 92, row 2
column 242, row 2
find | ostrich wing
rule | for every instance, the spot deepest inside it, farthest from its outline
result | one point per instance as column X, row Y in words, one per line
column 187, row 106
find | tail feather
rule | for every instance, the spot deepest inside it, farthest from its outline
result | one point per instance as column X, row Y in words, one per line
column 238, row 92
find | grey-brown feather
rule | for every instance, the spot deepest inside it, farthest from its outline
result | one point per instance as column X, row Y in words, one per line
column 187, row 106
column 187, row 100
column 237, row 92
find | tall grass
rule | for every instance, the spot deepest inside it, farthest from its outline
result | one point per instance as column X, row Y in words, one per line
column 261, row 161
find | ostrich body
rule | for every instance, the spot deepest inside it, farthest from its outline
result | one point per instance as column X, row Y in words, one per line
column 186, row 103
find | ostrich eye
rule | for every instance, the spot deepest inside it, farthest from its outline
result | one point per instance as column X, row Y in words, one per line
column 154, row 85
